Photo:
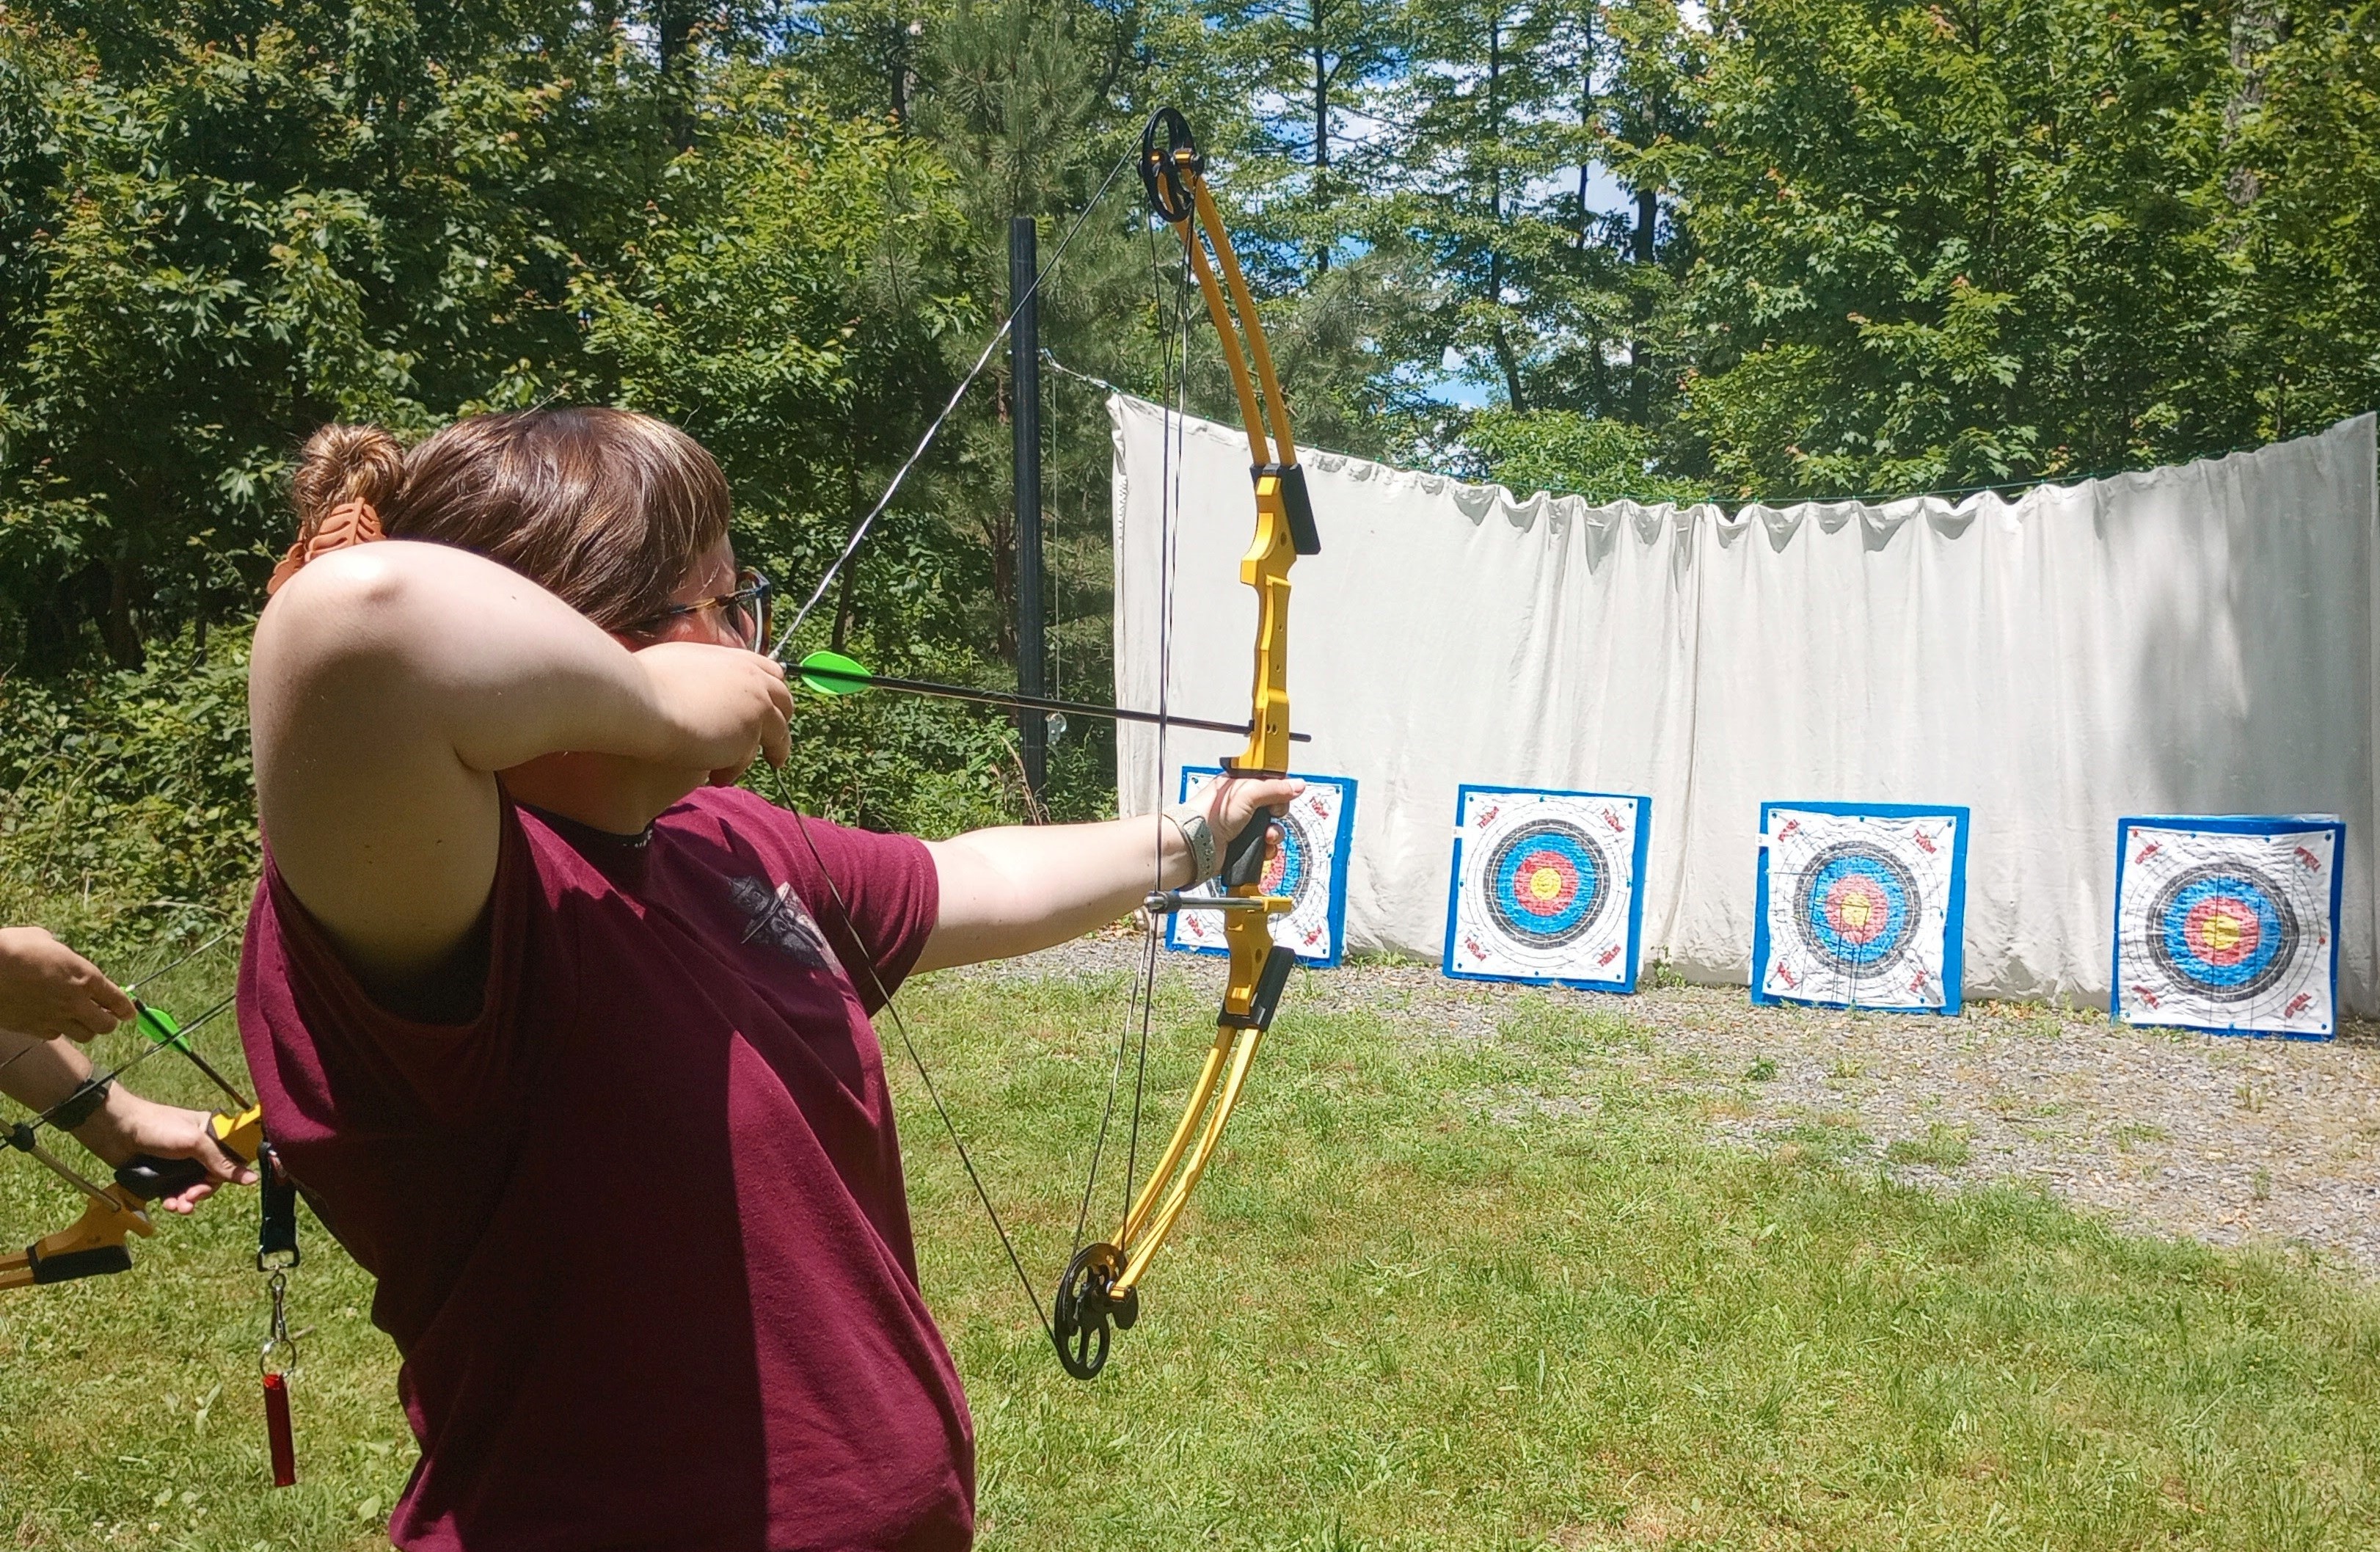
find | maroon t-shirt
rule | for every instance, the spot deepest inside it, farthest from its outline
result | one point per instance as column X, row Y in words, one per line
column 639, row 1227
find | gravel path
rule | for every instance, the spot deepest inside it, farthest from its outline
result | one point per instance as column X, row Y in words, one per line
column 2233, row 1141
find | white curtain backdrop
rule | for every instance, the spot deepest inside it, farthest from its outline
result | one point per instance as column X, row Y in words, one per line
column 2197, row 640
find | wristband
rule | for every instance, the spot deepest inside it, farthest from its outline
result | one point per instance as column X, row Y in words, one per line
column 1199, row 836
column 80, row 1106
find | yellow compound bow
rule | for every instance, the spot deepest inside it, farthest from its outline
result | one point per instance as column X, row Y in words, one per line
column 1100, row 1291
column 94, row 1244
column 1101, row 1287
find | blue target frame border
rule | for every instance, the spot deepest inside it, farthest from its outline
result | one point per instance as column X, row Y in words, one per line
column 1340, row 845
column 1626, row 982
column 2229, row 825
column 1954, row 916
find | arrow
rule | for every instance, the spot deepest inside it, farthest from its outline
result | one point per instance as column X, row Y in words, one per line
column 831, row 673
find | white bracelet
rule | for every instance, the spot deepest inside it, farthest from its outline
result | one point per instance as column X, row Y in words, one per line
column 1199, row 836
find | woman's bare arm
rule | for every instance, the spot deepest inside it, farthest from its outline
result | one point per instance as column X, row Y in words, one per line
column 1018, row 889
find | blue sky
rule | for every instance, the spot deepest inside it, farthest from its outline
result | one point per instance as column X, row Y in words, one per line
column 1458, row 387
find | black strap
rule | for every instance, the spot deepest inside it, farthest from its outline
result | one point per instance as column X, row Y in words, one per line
column 276, row 1196
column 80, row 1106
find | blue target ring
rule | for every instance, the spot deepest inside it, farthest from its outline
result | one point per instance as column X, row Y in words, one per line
column 2225, row 931
column 1547, row 882
column 1859, row 907
column 1285, row 870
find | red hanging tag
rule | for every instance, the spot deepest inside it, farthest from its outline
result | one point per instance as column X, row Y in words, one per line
column 276, row 1361
column 276, row 1430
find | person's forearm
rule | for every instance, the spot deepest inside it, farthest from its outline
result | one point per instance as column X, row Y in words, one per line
column 1037, row 885
column 425, row 643
column 40, row 1075
column 37, row 1073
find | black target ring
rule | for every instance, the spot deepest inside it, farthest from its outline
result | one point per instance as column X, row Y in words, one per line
column 1548, row 884
column 1859, row 907
column 2263, row 931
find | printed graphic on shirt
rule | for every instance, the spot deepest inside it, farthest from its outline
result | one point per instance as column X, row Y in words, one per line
column 777, row 917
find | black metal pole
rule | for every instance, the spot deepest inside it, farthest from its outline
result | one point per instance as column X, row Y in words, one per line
column 1025, row 376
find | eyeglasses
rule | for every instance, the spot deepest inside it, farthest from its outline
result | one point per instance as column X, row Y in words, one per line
column 746, row 610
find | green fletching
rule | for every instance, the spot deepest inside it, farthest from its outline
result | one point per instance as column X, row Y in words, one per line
column 161, row 1027
column 831, row 673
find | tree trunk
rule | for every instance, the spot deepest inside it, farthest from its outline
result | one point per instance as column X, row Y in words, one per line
column 675, row 22
column 116, row 627
column 1321, row 135
column 1640, row 351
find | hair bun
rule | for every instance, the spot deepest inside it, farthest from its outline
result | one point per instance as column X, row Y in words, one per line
column 347, row 474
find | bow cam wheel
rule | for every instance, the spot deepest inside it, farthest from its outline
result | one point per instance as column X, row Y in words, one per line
column 1086, row 1307
column 1163, row 166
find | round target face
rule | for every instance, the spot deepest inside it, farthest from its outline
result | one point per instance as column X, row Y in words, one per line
column 1547, row 882
column 1286, row 869
column 1859, row 907
column 2225, row 931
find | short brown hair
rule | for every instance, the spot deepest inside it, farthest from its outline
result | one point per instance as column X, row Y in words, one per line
column 605, row 509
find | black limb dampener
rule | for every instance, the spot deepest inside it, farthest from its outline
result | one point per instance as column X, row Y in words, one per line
column 1304, row 536
column 1270, row 981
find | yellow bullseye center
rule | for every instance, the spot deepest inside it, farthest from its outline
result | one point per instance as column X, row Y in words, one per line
column 2222, row 932
column 1544, row 883
column 1855, row 911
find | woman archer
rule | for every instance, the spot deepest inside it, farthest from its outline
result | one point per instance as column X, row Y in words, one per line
column 567, row 1037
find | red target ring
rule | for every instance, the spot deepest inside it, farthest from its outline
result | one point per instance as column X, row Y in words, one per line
column 1545, row 882
column 2222, row 931
column 1857, row 909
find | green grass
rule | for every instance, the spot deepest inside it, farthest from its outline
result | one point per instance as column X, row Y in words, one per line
column 1397, row 1315
column 1943, row 1147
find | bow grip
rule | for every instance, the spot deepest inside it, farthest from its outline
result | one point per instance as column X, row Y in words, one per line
column 148, row 1177
column 1243, row 859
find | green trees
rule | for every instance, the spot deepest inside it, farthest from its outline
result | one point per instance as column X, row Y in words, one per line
column 1789, row 247
column 240, row 221
column 1953, row 244
column 225, row 225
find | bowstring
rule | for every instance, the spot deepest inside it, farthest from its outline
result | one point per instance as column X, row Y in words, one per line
column 900, row 1026
column 1140, row 1002
column 859, row 531
column 1174, row 426
column 176, row 1039
column 843, row 910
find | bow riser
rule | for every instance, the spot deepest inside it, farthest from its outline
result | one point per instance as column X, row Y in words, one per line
column 94, row 1246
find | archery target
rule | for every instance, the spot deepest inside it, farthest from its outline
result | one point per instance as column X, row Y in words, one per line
column 2228, row 928
column 1861, row 906
column 1306, row 867
column 1545, row 886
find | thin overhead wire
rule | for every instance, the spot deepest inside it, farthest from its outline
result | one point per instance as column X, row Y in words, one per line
column 859, row 531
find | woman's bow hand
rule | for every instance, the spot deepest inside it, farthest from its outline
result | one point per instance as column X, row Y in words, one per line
column 1233, row 803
